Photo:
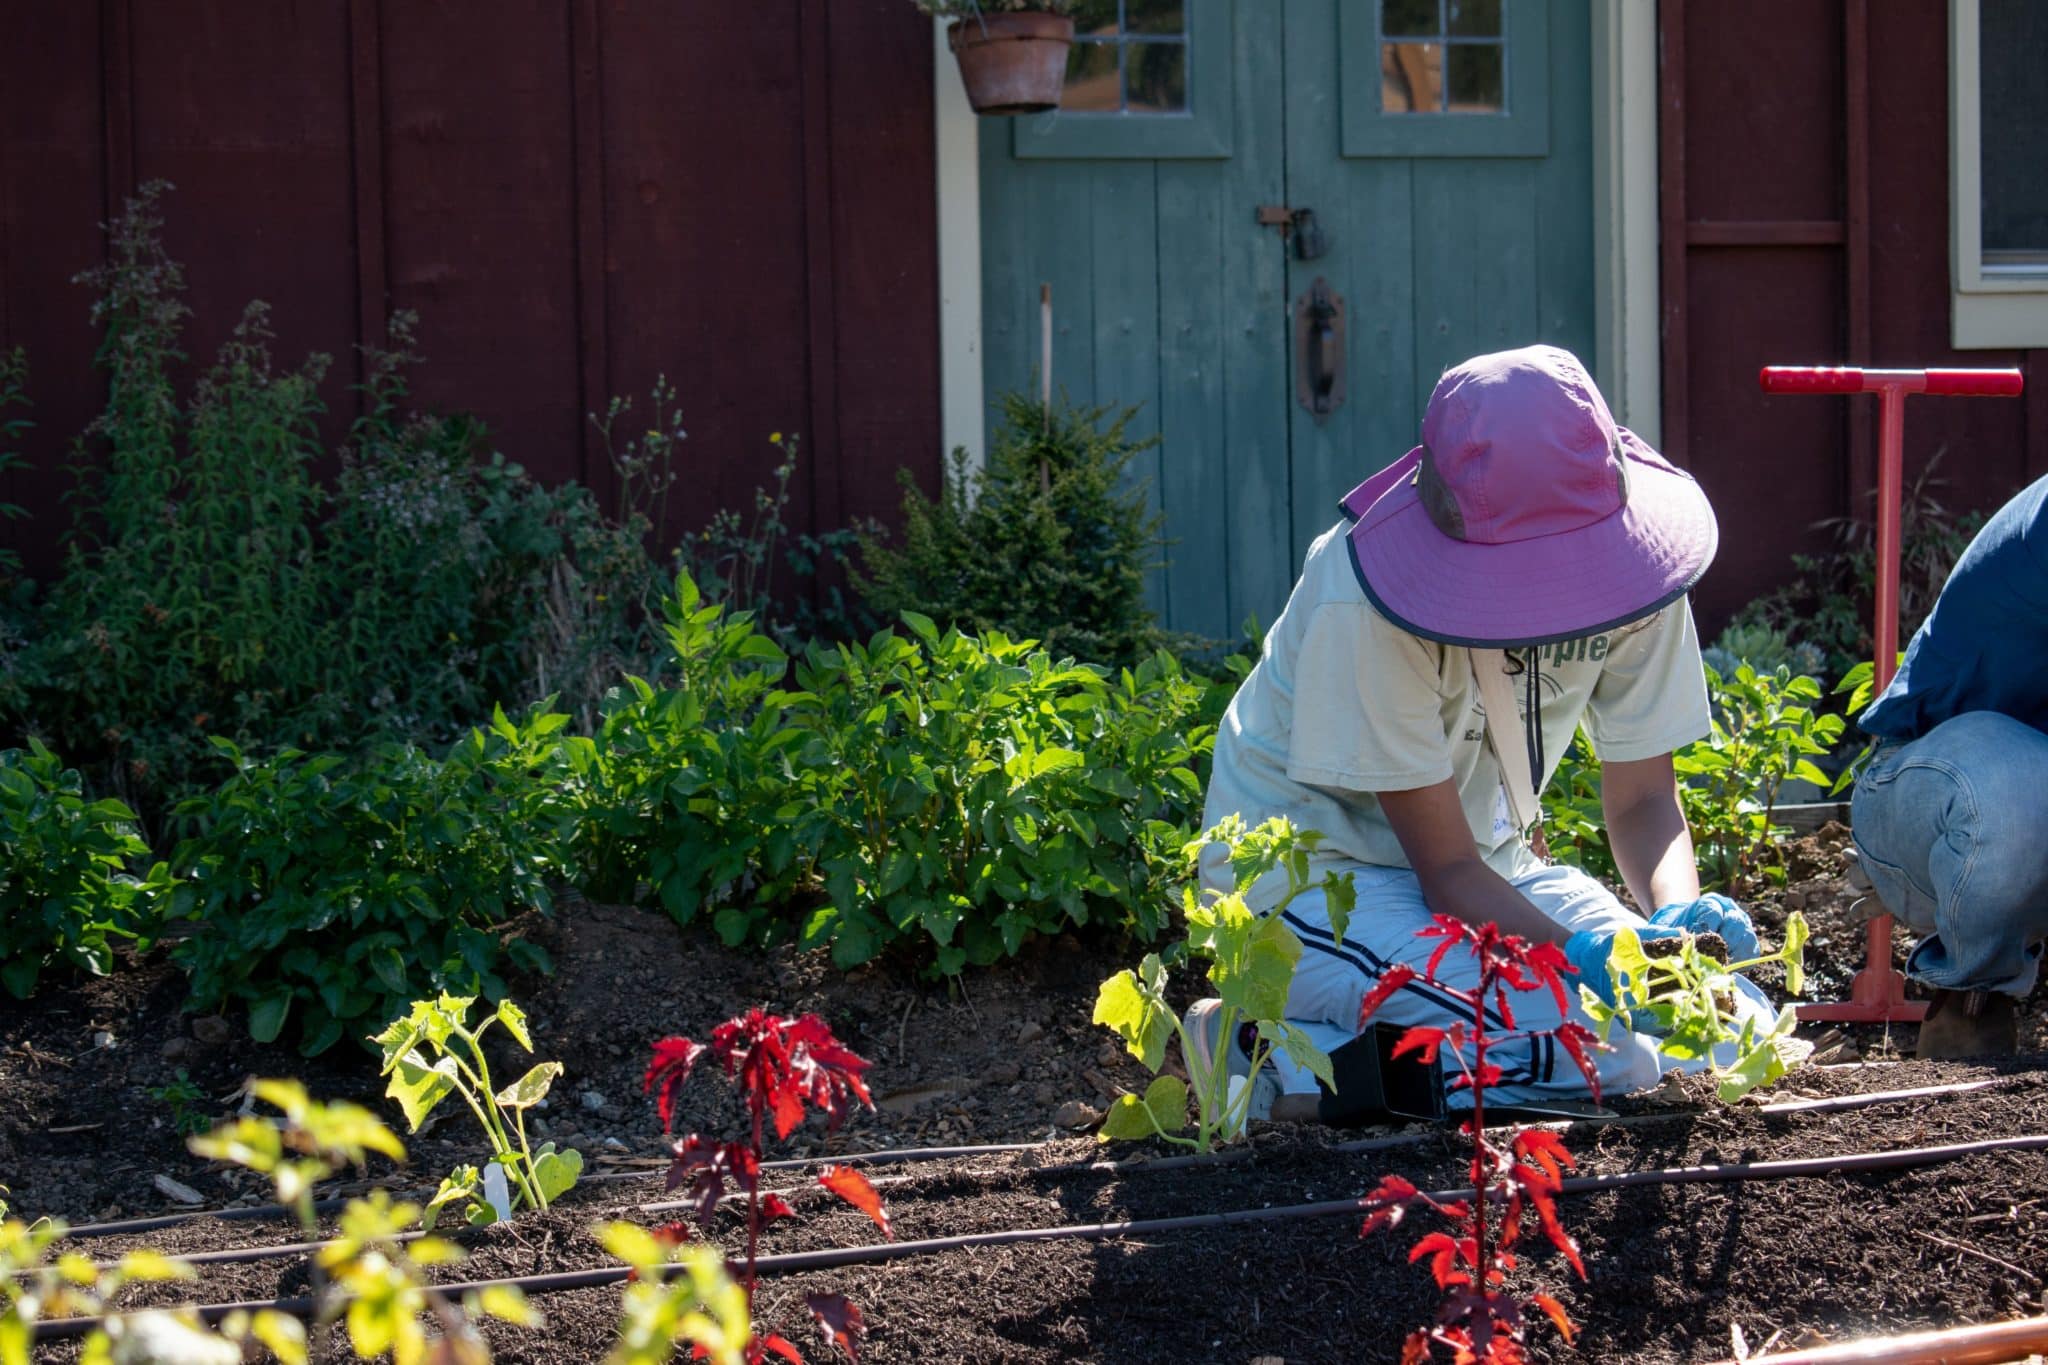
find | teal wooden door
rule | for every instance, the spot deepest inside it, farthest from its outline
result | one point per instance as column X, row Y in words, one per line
column 1443, row 148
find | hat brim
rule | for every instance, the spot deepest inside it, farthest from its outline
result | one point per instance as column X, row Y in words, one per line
column 1539, row 591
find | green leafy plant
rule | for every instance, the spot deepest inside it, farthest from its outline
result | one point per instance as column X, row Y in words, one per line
column 340, row 894
column 1765, row 730
column 1250, row 966
column 184, row 1098
column 1827, row 606
column 430, row 1053
column 1049, row 541
column 1573, row 819
column 1683, row 995
column 215, row 584
column 702, row 1307
column 372, row 1275
column 66, row 891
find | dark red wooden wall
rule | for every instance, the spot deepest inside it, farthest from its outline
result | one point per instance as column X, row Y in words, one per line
column 1805, row 220
column 575, row 195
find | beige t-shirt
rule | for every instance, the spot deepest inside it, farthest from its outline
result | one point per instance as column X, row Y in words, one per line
column 1344, row 703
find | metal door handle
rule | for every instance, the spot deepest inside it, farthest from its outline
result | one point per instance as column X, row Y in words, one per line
column 1319, row 349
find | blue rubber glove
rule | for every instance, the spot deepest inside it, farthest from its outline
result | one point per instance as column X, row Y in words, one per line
column 1589, row 949
column 1713, row 913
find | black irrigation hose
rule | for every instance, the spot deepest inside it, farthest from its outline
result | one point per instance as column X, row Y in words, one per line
column 897, row 1155
column 869, row 1253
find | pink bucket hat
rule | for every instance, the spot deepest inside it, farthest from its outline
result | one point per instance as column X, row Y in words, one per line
column 1526, row 515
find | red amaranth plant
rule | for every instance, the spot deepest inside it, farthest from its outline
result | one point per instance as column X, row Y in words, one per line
column 1478, row 1321
column 782, row 1066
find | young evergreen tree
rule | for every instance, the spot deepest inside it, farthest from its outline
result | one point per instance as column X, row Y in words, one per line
column 1049, row 541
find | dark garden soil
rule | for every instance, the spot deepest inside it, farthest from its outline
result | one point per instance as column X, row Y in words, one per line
column 1012, row 1057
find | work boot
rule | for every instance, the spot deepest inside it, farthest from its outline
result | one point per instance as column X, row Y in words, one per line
column 1969, row 1024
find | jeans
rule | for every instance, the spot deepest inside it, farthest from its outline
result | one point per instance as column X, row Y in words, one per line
column 1333, row 976
column 1953, row 829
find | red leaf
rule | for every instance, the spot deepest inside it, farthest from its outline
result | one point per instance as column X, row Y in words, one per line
column 789, row 1110
column 853, row 1187
column 781, row 1347
column 1415, row 1350
column 673, row 1060
column 1579, row 1043
column 1487, row 1076
column 1391, row 980
column 1548, row 961
column 1445, row 1253
column 773, row 1206
column 1554, row 1310
column 1507, row 1012
column 1421, row 1039
column 839, row 1319
column 672, row 1234
column 1546, row 1149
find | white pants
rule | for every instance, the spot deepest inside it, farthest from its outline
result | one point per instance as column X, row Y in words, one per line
column 1332, row 979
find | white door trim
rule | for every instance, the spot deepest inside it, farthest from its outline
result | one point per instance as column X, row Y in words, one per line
column 962, row 407
column 1627, row 304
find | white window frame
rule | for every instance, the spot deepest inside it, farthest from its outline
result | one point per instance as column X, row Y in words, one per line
column 1987, row 311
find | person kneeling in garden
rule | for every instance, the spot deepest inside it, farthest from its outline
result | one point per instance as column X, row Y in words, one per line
column 1528, row 549
column 1950, row 810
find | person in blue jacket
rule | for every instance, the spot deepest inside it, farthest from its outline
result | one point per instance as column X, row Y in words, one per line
column 1950, row 814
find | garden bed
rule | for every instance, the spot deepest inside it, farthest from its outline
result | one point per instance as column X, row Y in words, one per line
column 1672, row 1266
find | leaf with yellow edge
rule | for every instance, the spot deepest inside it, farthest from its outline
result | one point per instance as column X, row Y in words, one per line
column 1136, row 1011
column 78, row 1268
column 631, row 1243
column 505, row 1303
column 435, row 1251
column 531, row 1088
column 514, row 1020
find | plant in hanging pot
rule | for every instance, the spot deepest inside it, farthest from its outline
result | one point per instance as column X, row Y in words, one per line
column 1012, row 53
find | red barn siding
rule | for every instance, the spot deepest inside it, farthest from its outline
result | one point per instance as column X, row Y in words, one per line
column 576, row 195
column 1805, row 202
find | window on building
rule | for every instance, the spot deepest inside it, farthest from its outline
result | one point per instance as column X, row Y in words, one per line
column 1129, row 57
column 1442, row 57
column 1998, row 200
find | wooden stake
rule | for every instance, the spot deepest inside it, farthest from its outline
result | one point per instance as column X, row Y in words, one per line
column 1045, row 378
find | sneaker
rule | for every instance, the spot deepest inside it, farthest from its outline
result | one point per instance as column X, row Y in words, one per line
column 1204, row 1018
column 1969, row 1024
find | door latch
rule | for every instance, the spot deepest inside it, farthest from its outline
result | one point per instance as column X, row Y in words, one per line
column 1299, row 226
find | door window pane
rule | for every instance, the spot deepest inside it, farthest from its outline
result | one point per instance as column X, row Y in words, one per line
column 1474, row 18
column 1442, row 57
column 1129, row 57
column 1474, row 84
column 2014, row 120
column 1154, row 16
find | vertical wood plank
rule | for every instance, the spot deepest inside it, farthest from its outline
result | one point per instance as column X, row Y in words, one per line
column 1125, row 341
column 1563, row 218
column 593, row 391
column 117, row 92
column 1263, row 549
column 366, row 150
column 1194, row 485
column 1671, row 104
column 821, row 470
column 1861, row 465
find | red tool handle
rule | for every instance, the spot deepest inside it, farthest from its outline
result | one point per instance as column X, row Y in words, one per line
column 1811, row 379
column 1852, row 379
column 1975, row 383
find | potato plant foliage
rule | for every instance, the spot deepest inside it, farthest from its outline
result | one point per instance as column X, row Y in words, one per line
column 337, row 894
column 67, row 893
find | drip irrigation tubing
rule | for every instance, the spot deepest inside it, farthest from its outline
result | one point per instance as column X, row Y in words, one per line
column 901, row 1155
column 1988, row 1343
column 868, row 1253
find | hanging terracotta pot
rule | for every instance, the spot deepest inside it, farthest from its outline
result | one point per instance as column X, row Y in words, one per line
column 1012, row 63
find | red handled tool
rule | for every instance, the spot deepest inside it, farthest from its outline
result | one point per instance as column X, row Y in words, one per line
column 1878, row 994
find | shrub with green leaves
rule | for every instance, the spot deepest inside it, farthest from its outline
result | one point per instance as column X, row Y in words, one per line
column 67, row 888
column 214, row 584
column 928, row 789
column 1766, row 731
column 339, row 893
column 1049, row 541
